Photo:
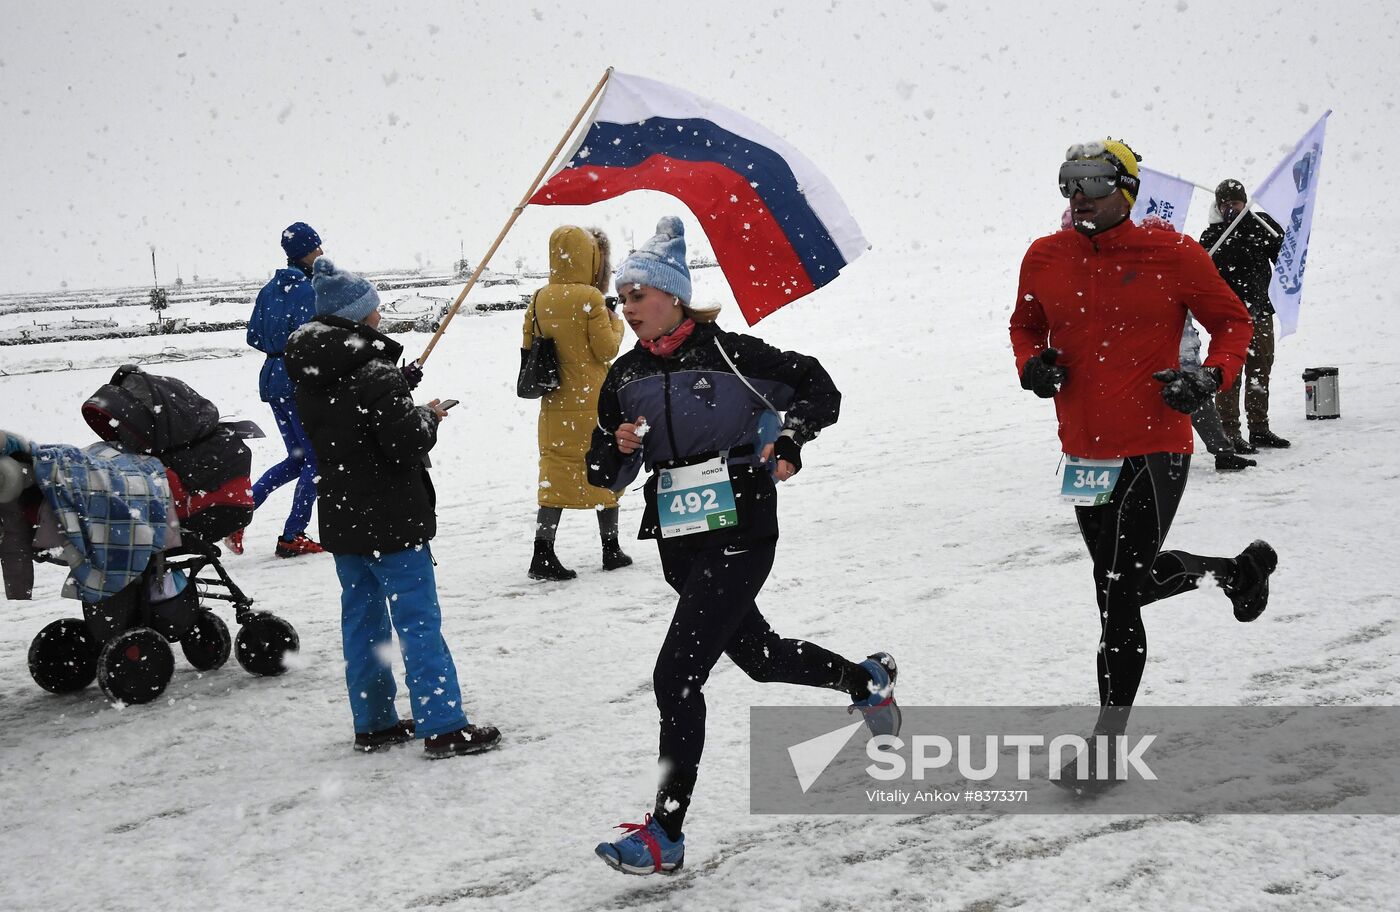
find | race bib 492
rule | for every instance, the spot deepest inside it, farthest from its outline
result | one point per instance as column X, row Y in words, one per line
column 697, row 498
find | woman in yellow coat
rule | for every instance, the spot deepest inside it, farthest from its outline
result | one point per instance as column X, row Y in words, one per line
column 572, row 311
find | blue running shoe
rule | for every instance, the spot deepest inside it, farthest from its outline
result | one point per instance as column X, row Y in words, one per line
column 882, row 715
column 646, row 849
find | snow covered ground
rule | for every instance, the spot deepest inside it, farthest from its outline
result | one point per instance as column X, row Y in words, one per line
column 925, row 523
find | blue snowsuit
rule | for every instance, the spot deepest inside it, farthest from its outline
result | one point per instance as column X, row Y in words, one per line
column 283, row 305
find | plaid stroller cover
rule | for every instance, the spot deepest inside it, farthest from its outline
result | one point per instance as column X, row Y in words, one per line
column 113, row 510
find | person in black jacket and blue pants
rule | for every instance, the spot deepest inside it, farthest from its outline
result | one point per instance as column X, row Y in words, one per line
column 699, row 407
column 377, row 517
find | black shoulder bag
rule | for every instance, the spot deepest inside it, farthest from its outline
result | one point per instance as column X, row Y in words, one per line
column 539, row 364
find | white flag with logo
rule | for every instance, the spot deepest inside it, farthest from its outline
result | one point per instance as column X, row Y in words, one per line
column 1289, row 194
column 1164, row 196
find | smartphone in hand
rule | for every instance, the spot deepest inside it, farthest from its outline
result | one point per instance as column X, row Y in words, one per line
column 447, row 404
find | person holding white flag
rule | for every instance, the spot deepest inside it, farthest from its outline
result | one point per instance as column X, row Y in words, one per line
column 1245, row 259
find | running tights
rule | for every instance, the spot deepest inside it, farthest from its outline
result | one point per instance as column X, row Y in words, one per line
column 716, row 615
column 1125, row 538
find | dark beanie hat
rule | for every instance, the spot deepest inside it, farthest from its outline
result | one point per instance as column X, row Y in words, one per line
column 299, row 239
column 1231, row 190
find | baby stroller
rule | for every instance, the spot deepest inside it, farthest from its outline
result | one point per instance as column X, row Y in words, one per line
column 166, row 456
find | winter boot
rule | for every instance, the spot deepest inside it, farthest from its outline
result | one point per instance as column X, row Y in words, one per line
column 1248, row 587
column 295, row 547
column 1268, row 439
column 401, row 732
column 235, row 542
column 1229, row 462
column 1240, row 445
column 646, row 849
column 546, row 565
column 613, row 556
column 882, row 715
column 470, row 740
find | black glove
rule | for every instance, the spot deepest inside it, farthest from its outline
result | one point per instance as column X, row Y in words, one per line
column 1042, row 376
column 788, row 450
column 1187, row 391
column 412, row 373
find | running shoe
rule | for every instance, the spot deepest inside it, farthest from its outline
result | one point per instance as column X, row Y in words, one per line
column 295, row 547
column 1248, row 588
column 646, row 849
column 882, row 715
column 1091, row 782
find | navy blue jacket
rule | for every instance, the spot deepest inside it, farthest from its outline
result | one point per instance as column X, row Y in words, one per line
column 283, row 305
column 695, row 406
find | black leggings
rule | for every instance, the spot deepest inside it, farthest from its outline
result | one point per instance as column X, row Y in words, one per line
column 1125, row 539
column 715, row 615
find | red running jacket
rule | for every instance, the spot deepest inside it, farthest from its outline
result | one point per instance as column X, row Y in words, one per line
column 1115, row 306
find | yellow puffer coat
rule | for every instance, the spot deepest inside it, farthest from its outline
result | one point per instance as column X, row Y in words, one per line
column 572, row 313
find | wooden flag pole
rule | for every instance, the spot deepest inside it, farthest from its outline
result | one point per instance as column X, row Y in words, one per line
column 515, row 214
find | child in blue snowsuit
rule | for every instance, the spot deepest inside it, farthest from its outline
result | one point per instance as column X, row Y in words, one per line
column 283, row 305
column 377, row 517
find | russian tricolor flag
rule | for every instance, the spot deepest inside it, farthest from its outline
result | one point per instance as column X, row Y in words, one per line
column 778, row 228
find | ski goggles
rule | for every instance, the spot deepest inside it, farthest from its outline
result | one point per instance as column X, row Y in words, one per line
column 1093, row 177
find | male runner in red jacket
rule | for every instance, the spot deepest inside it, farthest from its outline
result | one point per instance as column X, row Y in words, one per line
column 1097, row 326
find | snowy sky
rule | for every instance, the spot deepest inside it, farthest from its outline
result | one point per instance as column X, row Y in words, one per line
column 403, row 130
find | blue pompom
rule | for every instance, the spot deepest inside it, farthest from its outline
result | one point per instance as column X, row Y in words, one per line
column 671, row 226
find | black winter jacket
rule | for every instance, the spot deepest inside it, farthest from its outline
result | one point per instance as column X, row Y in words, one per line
column 1246, row 259
column 696, row 406
column 371, row 442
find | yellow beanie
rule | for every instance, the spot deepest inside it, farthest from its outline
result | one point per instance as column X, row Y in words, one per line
column 1126, row 160
column 1117, row 153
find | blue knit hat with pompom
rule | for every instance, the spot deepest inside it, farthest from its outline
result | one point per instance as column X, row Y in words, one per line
column 659, row 263
column 342, row 294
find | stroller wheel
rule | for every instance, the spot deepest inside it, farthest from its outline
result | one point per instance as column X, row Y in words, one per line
column 135, row 666
column 207, row 645
column 63, row 656
column 263, row 643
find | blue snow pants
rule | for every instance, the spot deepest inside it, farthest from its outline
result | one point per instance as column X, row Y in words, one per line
column 401, row 588
column 299, row 464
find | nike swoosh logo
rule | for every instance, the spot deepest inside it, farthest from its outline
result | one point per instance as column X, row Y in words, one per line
column 730, row 552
